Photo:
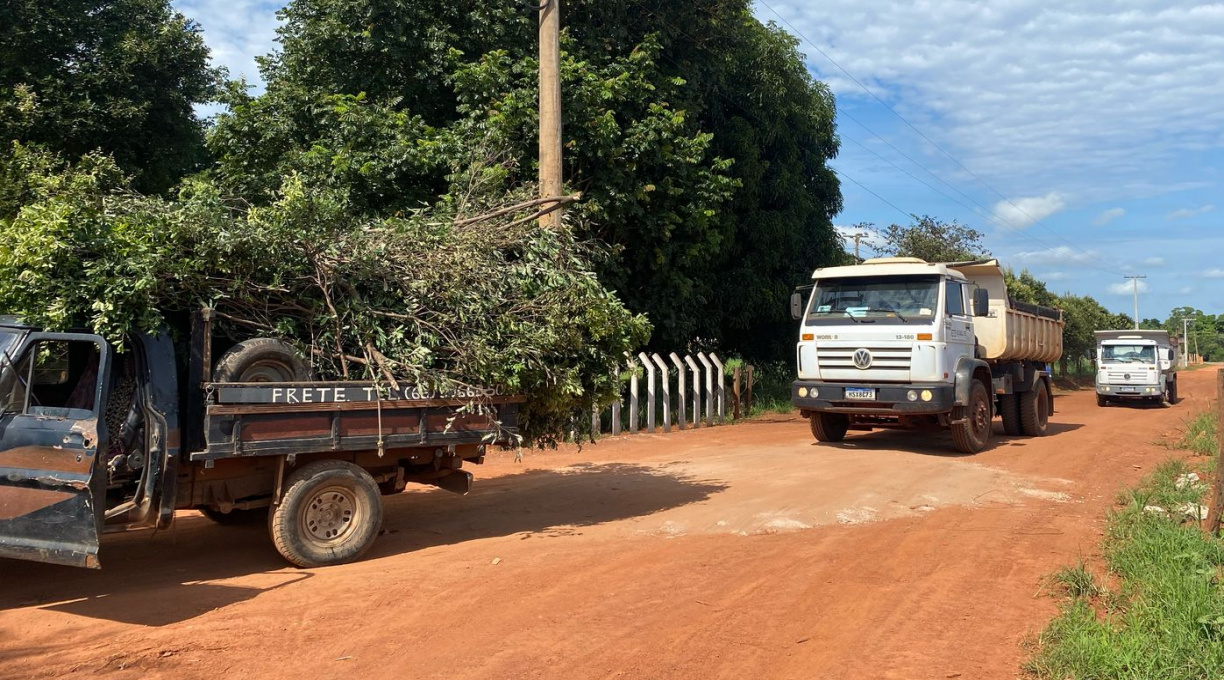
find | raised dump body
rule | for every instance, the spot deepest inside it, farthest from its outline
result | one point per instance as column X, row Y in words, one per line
column 1012, row 331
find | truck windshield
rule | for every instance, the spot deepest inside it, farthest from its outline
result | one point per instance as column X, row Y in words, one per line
column 1128, row 354
column 894, row 299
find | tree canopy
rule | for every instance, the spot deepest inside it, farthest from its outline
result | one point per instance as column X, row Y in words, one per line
column 117, row 76
column 695, row 134
column 932, row 240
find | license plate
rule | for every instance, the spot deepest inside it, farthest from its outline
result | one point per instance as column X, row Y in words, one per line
column 1128, row 390
column 860, row 393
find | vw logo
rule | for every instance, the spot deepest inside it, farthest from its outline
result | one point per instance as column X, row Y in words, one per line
column 1126, row 376
column 862, row 359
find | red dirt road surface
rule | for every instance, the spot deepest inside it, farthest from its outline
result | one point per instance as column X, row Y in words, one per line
column 737, row 552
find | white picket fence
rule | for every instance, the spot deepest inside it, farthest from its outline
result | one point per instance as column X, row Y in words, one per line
column 707, row 400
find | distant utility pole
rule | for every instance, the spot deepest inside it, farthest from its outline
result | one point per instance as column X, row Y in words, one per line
column 1186, row 341
column 551, row 181
column 857, row 237
column 1135, row 281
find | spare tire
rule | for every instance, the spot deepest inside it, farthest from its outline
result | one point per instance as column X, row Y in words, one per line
column 262, row 360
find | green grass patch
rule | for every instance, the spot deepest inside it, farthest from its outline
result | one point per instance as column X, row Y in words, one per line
column 1165, row 617
column 1200, row 435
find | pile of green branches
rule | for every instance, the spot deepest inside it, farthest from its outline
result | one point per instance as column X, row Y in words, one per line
column 470, row 291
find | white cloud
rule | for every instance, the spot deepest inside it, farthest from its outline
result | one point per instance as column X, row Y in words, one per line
column 1214, row 274
column 1108, row 216
column 236, row 31
column 1022, row 213
column 1082, row 95
column 1154, row 262
column 1185, row 213
column 1128, row 288
column 1061, row 255
column 1186, row 291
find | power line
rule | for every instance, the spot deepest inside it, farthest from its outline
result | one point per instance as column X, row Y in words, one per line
column 903, row 119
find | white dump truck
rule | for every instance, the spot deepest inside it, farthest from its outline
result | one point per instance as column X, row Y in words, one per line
column 904, row 343
column 1136, row 365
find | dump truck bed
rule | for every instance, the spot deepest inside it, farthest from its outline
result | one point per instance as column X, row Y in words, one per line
column 1012, row 331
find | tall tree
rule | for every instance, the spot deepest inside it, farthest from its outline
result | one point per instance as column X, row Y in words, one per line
column 120, row 76
column 934, row 240
column 694, row 132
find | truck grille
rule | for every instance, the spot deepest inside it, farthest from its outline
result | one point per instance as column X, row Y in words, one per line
column 1119, row 377
column 883, row 358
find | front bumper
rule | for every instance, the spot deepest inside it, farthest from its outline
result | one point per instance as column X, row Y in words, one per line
column 1129, row 391
column 890, row 399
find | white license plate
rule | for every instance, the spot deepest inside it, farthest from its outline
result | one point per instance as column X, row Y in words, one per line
column 1128, row 390
column 861, row 394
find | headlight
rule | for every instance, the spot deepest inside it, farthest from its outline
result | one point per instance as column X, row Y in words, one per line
column 803, row 391
column 926, row 395
column 911, row 395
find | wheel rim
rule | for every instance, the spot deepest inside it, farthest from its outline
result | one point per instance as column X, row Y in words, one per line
column 330, row 516
column 267, row 370
column 980, row 419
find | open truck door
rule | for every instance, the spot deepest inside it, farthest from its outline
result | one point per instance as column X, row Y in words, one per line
column 53, row 388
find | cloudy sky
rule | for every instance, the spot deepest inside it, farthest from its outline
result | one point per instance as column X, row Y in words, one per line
column 1085, row 138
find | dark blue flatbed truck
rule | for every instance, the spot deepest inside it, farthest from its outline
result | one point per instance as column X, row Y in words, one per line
column 94, row 439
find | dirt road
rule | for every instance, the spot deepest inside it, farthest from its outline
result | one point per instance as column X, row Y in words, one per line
column 736, row 552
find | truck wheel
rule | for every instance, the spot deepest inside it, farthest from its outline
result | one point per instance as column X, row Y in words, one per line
column 973, row 429
column 235, row 517
column 1009, row 408
column 829, row 427
column 1102, row 400
column 329, row 514
column 262, row 360
column 1035, row 410
column 1173, row 392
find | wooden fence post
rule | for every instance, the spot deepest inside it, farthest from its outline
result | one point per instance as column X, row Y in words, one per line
column 1217, row 500
column 735, row 392
column 596, row 426
column 748, row 400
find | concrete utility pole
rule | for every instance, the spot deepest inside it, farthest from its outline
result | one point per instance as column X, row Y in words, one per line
column 857, row 237
column 1135, row 281
column 551, row 181
column 1186, row 342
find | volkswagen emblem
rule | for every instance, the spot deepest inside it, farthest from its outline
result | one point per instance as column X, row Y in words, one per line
column 862, row 359
column 1126, row 376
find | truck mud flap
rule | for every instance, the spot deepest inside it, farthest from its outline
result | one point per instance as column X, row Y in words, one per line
column 458, row 481
column 58, row 526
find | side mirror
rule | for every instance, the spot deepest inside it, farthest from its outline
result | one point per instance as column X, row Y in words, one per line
column 981, row 302
column 796, row 305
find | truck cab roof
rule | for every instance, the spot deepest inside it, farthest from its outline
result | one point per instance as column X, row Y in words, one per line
column 908, row 266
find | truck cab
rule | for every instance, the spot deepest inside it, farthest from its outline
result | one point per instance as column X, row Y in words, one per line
column 1136, row 366
column 899, row 342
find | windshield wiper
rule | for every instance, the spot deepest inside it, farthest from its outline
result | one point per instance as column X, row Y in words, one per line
column 888, row 311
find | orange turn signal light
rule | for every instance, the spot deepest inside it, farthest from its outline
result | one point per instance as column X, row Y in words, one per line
column 925, row 336
column 808, row 336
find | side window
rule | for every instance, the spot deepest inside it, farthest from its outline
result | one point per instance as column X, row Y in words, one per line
column 54, row 376
column 955, row 298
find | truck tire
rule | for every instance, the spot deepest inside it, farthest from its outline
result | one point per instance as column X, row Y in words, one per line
column 262, row 360
column 829, row 427
column 974, row 424
column 1102, row 400
column 1173, row 392
column 235, row 517
column 330, row 513
column 1035, row 410
column 1009, row 409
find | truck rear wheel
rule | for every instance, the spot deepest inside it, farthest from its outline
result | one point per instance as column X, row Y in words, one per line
column 1035, row 410
column 262, row 360
column 329, row 514
column 829, row 427
column 973, row 427
column 1009, row 408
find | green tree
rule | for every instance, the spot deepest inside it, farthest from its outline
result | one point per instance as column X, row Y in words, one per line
column 696, row 135
column 119, row 76
column 934, row 240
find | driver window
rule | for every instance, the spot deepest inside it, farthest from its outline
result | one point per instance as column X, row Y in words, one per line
column 955, row 298
column 53, row 377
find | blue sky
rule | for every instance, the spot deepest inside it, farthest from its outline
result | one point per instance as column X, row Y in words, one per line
column 1085, row 138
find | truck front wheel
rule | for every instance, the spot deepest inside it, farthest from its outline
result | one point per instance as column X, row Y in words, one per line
column 829, row 427
column 1035, row 410
column 1173, row 392
column 329, row 514
column 972, row 424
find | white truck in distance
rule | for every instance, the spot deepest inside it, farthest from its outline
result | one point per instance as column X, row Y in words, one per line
column 1136, row 365
column 904, row 343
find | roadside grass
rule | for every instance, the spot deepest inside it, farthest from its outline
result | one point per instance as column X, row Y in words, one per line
column 1200, row 435
column 1164, row 619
